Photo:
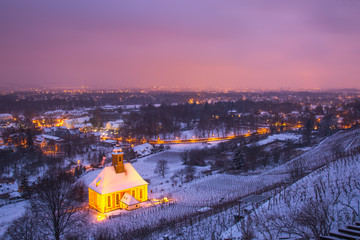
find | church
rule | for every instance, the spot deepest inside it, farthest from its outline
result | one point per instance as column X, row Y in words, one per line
column 117, row 187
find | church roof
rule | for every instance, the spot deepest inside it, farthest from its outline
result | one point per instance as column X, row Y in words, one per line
column 109, row 181
column 129, row 199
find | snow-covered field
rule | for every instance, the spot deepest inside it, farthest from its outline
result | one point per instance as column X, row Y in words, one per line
column 9, row 213
column 280, row 137
column 192, row 134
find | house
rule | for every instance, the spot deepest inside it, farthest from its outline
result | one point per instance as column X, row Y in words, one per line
column 50, row 131
column 49, row 145
column 2, row 144
column 114, row 125
column 117, row 187
column 5, row 117
column 70, row 123
column 84, row 127
column 143, row 149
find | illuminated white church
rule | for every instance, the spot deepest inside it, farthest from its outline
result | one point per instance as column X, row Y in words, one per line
column 117, row 187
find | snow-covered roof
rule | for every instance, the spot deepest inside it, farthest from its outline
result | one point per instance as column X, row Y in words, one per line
column 5, row 116
column 83, row 125
column 69, row 123
column 39, row 138
column 143, row 149
column 232, row 111
column 117, row 150
column 129, row 199
column 109, row 107
column 49, row 137
column 109, row 181
column 110, row 141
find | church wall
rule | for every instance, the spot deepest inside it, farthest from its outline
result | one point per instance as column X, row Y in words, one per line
column 95, row 200
column 103, row 206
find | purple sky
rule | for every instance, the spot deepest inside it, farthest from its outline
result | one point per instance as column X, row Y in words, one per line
column 202, row 44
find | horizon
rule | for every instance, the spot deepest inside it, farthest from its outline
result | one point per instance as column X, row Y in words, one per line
column 204, row 46
column 178, row 90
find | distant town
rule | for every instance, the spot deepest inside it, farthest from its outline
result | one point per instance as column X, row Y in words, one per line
column 50, row 120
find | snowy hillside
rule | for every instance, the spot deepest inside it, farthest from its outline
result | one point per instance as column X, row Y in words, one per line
column 326, row 199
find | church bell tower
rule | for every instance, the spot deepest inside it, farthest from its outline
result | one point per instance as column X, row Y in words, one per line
column 118, row 159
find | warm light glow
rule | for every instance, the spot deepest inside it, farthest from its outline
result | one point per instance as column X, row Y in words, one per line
column 156, row 201
column 101, row 217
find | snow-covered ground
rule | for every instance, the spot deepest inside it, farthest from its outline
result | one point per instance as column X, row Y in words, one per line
column 205, row 191
column 193, row 134
column 9, row 213
column 217, row 223
column 336, row 186
column 279, row 137
column 188, row 146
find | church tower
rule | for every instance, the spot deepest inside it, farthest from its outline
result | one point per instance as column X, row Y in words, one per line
column 118, row 159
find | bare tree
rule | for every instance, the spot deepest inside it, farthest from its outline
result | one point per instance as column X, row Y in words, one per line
column 190, row 172
column 23, row 228
column 313, row 219
column 247, row 229
column 161, row 167
column 184, row 156
column 296, row 169
column 54, row 204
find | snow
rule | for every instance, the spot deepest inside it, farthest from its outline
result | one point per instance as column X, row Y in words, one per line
column 188, row 146
column 109, row 141
column 8, row 187
column 143, row 149
column 338, row 183
column 204, row 209
column 110, row 107
column 129, row 200
column 69, row 123
column 10, row 212
column 279, row 137
column 109, row 181
column 90, row 176
column 5, row 116
column 49, row 137
column 205, row 193
column 114, row 125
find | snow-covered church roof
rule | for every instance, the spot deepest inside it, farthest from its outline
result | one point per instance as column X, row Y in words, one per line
column 109, row 181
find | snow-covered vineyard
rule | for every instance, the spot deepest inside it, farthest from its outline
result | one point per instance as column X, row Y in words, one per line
column 324, row 200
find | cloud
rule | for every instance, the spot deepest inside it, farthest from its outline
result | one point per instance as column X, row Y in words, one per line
column 189, row 44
